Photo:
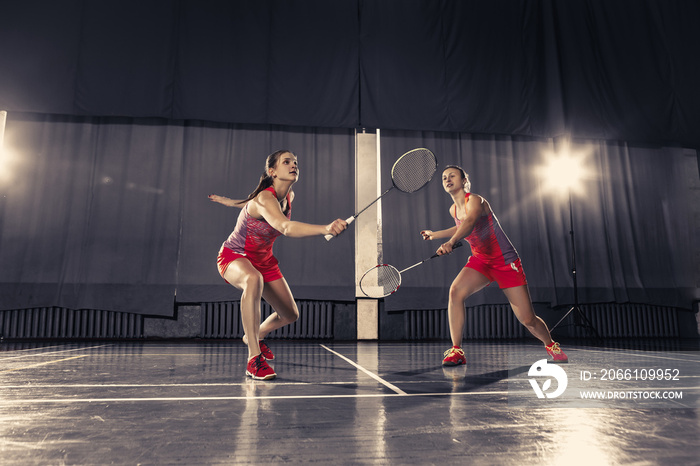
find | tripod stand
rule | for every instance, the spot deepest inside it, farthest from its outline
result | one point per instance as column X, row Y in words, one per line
column 580, row 319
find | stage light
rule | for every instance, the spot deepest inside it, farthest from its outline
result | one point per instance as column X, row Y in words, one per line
column 8, row 162
column 564, row 171
column 8, row 158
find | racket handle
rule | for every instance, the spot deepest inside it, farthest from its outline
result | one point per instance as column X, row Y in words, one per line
column 457, row 245
column 348, row 220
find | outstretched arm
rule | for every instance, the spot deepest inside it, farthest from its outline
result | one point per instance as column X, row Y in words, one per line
column 227, row 201
column 266, row 206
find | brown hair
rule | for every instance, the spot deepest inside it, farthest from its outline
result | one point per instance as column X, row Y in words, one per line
column 265, row 178
column 468, row 184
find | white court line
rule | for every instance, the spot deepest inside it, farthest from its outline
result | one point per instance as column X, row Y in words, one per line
column 52, row 352
column 277, row 383
column 168, row 385
column 275, row 397
column 371, row 374
column 42, row 364
column 33, row 349
column 232, row 398
column 642, row 354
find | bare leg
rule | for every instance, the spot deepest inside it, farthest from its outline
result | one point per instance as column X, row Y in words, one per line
column 467, row 282
column 279, row 296
column 519, row 298
column 241, row 274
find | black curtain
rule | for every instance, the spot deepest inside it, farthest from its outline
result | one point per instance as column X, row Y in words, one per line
column 632, row 223
column 113, row 213
column 264, row 62
column 622, row 70
column 106, row 207
column 228, row 160
column 90, row 214
column 606, row 70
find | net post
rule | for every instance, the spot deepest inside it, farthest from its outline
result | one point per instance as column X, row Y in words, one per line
column 368, row 228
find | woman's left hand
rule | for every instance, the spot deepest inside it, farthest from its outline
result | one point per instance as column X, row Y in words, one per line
column 219, row 199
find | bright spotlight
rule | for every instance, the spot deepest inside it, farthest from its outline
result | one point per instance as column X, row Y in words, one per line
column 7, row 158
column 8, row 161
column 564, row 171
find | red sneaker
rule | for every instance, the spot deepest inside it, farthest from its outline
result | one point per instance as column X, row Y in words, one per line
column 265, row 351
column 454, row 357
column 556, row 353
column 259, row 369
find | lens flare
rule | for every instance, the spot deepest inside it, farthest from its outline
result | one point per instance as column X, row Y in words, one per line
column 564, row 171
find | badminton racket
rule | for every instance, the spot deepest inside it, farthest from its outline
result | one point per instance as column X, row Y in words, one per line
column 383, row 280
column 410, row 172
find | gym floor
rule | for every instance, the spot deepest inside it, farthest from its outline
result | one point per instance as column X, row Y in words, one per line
column 189, row 402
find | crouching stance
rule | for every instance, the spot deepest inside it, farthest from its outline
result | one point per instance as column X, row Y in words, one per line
column 246, row 261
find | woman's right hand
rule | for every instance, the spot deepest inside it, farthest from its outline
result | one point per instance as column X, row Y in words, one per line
column 427, row 234
column 337, row 227
column 444, row 248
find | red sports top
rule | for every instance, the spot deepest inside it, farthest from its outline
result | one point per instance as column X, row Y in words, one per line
column 254, row 238
column 488, row 241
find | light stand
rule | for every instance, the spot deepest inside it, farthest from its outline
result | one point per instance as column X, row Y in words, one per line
column 580, row 319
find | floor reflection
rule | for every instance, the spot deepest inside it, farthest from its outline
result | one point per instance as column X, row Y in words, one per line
column 370, row 413
column 191, row 404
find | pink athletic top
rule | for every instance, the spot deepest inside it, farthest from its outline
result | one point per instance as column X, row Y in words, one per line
column 254, row 238
column 488, row 241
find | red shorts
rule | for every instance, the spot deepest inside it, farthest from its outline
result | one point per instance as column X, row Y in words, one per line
column 270, row 271
column 506, row 275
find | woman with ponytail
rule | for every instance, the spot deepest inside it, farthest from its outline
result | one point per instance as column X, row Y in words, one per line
column 245, row 259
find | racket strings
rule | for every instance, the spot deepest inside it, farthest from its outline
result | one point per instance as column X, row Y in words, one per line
column 380, row 281
column 412, row 171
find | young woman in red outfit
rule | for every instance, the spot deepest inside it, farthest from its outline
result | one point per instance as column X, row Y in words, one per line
column 246, row 261
column 493, row 259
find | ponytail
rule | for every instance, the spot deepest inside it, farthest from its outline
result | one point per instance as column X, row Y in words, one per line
column 265, row 179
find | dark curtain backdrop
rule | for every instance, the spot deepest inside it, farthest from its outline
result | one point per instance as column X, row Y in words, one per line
column 229, row 160
column 633, row 223
column 105, row 207
column 289, row 63
column 617, row 70
column 113, row 214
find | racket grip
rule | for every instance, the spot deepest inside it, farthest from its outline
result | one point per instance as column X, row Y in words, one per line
column 348, row 220
column 457, row 245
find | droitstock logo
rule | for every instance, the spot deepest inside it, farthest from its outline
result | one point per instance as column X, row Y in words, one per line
column 543, row 370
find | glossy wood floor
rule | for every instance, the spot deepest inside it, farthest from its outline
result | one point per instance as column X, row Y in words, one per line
column 351, row 403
